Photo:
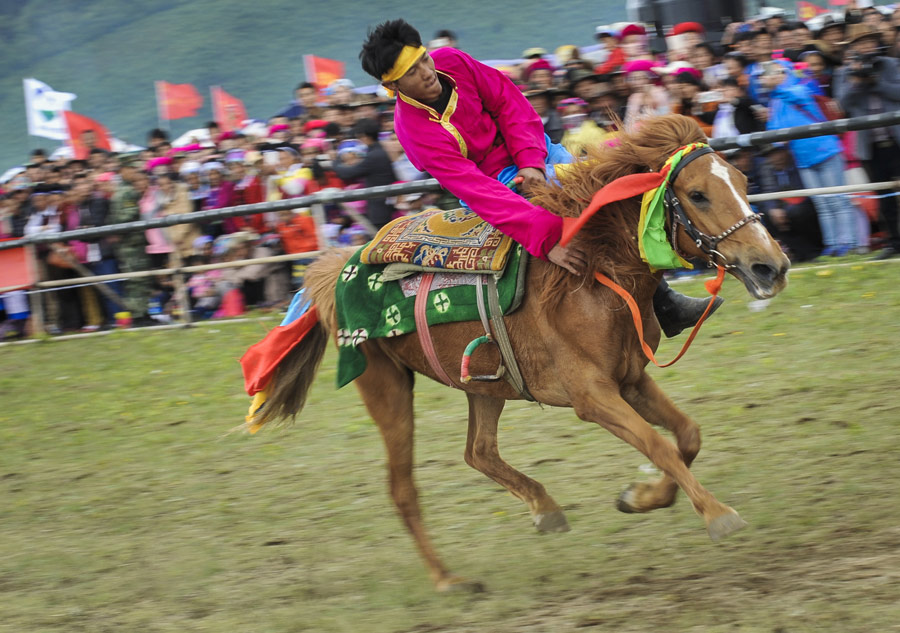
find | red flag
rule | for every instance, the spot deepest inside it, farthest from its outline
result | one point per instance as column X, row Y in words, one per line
column 177, row 101
column 228, row 111
column 808, row 10
column 321, row 71
column 79, row 127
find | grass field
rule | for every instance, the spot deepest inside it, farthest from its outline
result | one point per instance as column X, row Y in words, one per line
column 127, row 505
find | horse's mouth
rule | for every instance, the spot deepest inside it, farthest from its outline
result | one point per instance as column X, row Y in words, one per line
column 763, row 280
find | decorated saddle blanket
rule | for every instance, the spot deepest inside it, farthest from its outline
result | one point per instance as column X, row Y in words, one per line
column 436, row 240
column 370, row 307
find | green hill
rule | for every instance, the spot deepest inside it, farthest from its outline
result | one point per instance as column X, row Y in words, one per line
column 109, row 52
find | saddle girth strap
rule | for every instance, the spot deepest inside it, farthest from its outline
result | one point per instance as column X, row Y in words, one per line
column 513, row 375
column 424, row 333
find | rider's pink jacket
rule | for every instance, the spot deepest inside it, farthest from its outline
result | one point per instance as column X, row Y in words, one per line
column 487, row 126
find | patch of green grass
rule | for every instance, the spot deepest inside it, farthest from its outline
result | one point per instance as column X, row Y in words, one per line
column 128, row 505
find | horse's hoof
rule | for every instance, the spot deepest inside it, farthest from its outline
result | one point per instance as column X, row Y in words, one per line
column 455, row 584
column 725, row 524
column 627, row 500
column 551, row 522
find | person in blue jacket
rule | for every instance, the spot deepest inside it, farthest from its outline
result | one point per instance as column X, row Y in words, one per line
column 819, row 159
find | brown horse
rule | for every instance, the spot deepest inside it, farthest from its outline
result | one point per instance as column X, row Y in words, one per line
column 601, row 376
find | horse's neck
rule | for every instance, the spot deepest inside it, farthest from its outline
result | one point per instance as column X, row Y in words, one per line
column 640, row 287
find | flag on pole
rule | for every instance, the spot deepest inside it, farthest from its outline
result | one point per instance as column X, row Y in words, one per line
column 43, row 109
column 321, row 71
column 177, row 101
column 808, row 10
column 838, row 3
column 78, row 126
column 228, row 111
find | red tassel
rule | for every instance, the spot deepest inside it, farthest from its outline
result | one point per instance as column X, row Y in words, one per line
column 261, row 360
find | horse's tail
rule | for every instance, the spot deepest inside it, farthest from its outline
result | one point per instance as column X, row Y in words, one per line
column 284, row 395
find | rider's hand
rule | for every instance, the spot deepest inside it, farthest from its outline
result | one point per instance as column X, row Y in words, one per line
column 570, row 258
column 530, row 176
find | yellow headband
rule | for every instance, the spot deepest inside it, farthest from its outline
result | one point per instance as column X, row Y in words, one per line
column 405, row 60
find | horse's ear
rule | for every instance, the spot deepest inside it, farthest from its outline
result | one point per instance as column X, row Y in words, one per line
column 619, row 189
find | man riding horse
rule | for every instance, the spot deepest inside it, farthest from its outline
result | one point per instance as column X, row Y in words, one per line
column 468, row 125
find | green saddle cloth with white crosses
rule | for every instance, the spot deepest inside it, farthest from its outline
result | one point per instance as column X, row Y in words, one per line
column 369, row 307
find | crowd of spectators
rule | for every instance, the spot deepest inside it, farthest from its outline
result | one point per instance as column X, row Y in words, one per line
column 763, row 74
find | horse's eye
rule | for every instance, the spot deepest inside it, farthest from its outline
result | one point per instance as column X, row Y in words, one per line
column 697, row 196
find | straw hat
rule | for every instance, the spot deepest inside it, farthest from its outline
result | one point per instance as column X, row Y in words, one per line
column 856, row 32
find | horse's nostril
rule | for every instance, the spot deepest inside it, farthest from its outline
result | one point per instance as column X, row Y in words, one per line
column 764, row 272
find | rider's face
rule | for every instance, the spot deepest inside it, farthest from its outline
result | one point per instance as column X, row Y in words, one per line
column 420, row 82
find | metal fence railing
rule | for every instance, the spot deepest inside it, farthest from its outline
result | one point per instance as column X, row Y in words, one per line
column 430, row 185
column 317, row 201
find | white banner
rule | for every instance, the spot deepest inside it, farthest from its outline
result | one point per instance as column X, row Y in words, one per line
column 43, row 109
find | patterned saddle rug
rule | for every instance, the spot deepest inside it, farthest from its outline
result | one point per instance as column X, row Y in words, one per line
column 368, row 306
column 438, row 241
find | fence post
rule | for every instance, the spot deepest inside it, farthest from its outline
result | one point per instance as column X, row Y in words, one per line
column 318, row 215
column 181, row 291
column 34, row 298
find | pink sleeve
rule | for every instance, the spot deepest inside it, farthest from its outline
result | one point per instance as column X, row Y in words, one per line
column 535, row 228
column 520, row 125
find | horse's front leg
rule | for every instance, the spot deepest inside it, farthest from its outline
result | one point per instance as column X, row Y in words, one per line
column 649, row 401
column 604, row 405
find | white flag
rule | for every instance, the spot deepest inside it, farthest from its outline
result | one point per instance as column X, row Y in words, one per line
column 43, row 108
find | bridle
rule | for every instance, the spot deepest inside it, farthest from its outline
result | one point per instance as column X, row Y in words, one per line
column 647, row 184
column 676, row 217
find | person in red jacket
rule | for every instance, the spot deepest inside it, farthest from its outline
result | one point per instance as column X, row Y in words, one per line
column 247, row 189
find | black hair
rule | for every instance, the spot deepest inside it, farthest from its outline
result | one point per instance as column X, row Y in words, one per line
column 306, row 84
column 739, row 58
column 759, row 32
column 157, row 133
column 450, row 35
column 332, row 129
column 367, row 127
column 383, row 45
column 706, row 46
column 38, row 152
column 731, row 81
column 689, row 79
column 210, row 124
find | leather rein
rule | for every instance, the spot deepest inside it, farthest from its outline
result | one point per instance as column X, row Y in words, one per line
column 630, row 186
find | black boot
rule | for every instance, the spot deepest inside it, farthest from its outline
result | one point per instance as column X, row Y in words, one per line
column 676, row 312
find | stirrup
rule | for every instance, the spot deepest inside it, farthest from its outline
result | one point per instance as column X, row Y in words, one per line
column 464, row 375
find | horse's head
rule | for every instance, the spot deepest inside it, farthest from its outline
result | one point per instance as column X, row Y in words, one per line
column 711, row 219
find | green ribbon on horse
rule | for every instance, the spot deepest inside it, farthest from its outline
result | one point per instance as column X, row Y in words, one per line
column 653, row 241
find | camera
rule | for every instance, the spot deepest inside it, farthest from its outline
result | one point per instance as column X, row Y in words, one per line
column 866, row 66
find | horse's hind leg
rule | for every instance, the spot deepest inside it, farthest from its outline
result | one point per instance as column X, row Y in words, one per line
column 483, row 455
column 387, row 391
column 654, row 406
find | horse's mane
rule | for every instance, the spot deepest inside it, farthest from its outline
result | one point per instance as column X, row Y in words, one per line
column 609, row 239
